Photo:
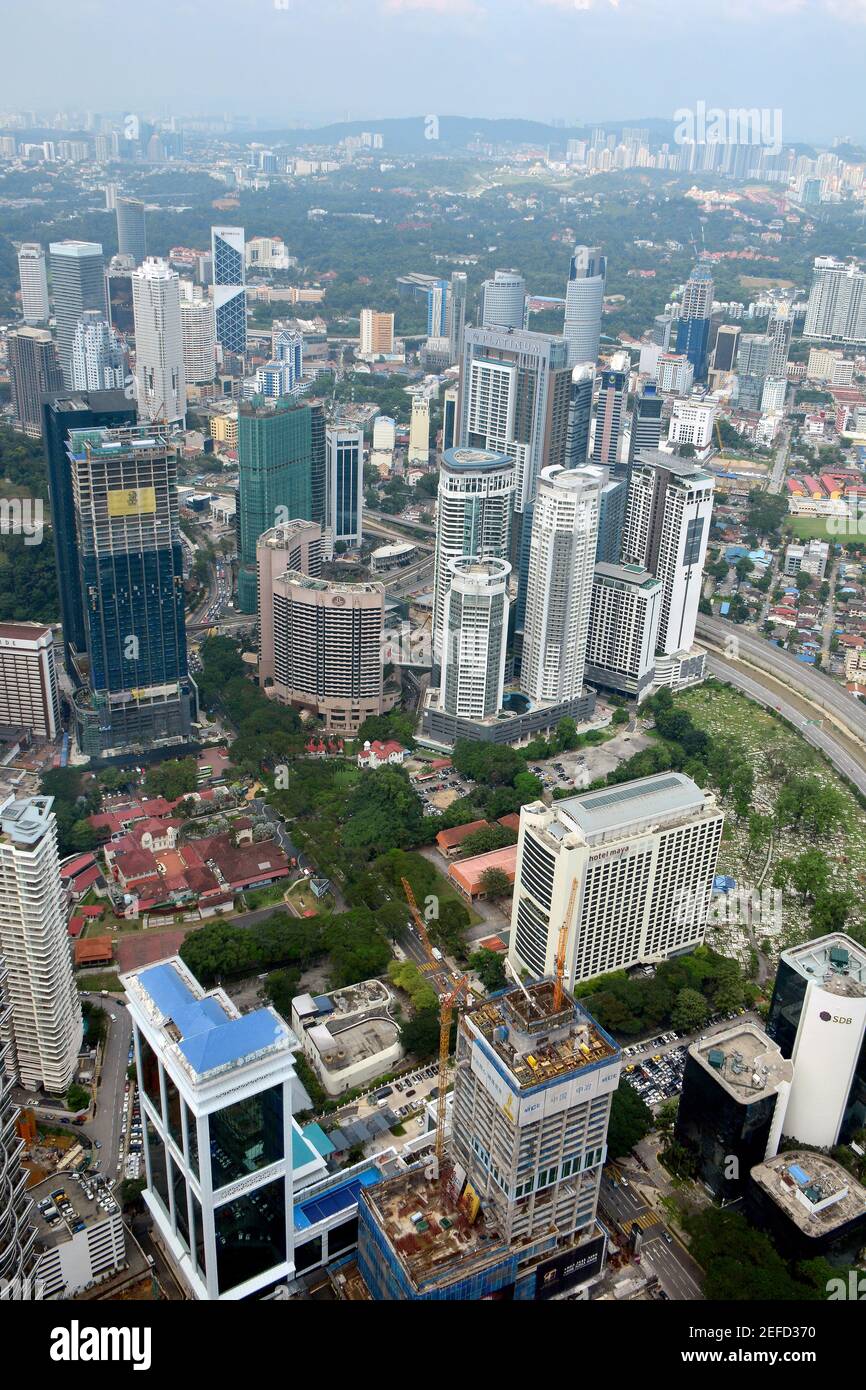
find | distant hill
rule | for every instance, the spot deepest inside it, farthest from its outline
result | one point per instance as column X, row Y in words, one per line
column 415, row 134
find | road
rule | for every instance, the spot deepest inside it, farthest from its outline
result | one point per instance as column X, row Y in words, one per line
column 829, row 698
column 780, row 462
column 677, row 1272
column 105, row 1126
column 749, row 682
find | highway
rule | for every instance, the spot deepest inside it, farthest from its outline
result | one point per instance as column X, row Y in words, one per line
column 828, row 698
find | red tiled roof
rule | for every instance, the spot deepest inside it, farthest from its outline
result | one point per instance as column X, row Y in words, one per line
column 75, row 926
column 447, row 839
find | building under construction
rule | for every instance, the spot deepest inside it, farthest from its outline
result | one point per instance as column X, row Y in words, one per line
column 512, row 1213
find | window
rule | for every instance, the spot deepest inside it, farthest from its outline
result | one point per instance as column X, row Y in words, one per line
column 181, row 1213
column 158, row 1164
column 150, row 1073
column 246, row 1136
column 251, row 1235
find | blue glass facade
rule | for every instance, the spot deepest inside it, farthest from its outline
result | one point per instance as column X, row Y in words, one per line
column 136, row 597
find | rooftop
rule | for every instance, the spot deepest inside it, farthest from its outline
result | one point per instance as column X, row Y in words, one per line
column 744, row 1062
column 816, row 1193
column 66, row 1200
column 536, row 1042
column 205, row 1030
column 617, row 809
column 835, row 962
column 633, row 575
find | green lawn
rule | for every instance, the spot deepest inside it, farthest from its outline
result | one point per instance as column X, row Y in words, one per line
column 809, row 528
column 100, row 980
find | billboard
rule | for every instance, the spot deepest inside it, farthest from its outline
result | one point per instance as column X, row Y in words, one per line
column 132, row 501
column 571, row 1267
column 523, row 1109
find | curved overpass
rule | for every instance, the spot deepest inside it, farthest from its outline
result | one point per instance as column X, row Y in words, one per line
column 781, row 671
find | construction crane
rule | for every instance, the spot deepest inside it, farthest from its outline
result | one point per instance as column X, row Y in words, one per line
column 559, row 968
column 447, row 1002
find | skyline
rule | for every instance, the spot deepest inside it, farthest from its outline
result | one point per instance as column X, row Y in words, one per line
column 475, row 60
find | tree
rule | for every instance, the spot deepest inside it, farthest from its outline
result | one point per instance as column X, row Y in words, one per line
column 566, row 735
column 130, row 1193
column 808, row 873
column 420, row 1035
column 77, row 1098
column 630, row 1121
column 489, row 966
column 690, row 1011
column 495, row 883
column 830, row 911
column 620, row 717
column 172, row 779
column 384, row 810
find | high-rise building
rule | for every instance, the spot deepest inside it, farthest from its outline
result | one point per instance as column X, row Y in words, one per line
column 476, row 632
column 46, row 1025
column 646, row 421
column 98, row 358
column 198, row 336
column 457, row 314
column 780, row 328
column 513, row 1216
column 753, row 367
column 28, row 679
column 327, row 648
column 159, row 374
column 818, row 1018
column 774, row 394
column 216, row 1103
column 118, row 282
column 475, row 502
column 661, row 331
column 136, row 692
column 693, row 327
column 836, row 312
column 503, row 300
column 669, row 510
column 77, row 283
column 584, row 303
column 610, row 412
column 345, row 487
column 33, row 372
column 18, row 1256
column 295, row 546
column 692, row 422
column 131, row 235
column 33, row 278
column 229, row 280
column 377, row 333
column 60, row 415
column 275, row 471
column 579, row 415
column 449, row 417
column 675, row 374
column 419, row 431
column 643, row 855
column 731, row 1113
column 724, row 358
column 623, row 629
column 613, row 504
column 515, row 395
column 288, row 348
column 559, row 584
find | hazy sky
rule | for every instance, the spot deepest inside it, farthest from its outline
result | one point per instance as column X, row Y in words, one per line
column 581, row 60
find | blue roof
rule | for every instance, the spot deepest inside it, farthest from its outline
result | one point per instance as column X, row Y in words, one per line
column 798, row 1174
column 315, row 1135
column 334, row 1200
column 209, row 1038
column 303, row 1151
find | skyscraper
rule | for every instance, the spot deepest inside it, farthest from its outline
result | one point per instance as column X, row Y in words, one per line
column 726, row 349
column 159, row 374
column 584, row 302
column 77, row 283
column 753, row 367
column 693, row 327
column 646, row 421
column 136, row 692
column 419, row 431
column 610, row 411
column 216, row 1103
column 230, row 296
column 98, row 359
column 449, row 417
column 34, row 283
column 377, row 333
column 33, row 373
column 669, row 511
column 46, row 1024
column 579, row 415
column 275, row 470
column 60, row 415
column 327, row 648
column 623, row 629
column 779, row 330
column 475, row 503
column 503, row 300
column 559, row 584
column 837, row 302
column 476, row 632
column 457, row 313
column 643, row 855
column 345, row 487
column 131, row 236
column 198, row 334
column 515, row 395
column 294, row 546
column 17, row 1232
column 818, row 1018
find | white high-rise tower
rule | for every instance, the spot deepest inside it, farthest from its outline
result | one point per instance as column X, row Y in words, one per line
column 559, row 584
column 46, row 1025
column 34, row 283
column 584, row 301
column 159, row 369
